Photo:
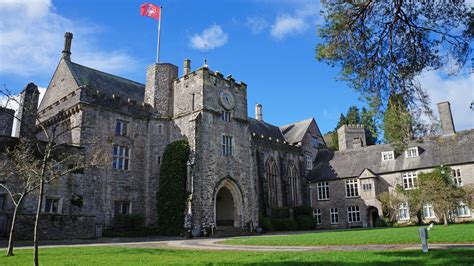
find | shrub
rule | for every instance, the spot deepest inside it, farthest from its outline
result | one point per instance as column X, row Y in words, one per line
column 383, row 222
column 280, row 213
column 128, row 222
column 305, row 222
column 171, row 197
column 283, row 224
column 265, row 224
column 302, row 210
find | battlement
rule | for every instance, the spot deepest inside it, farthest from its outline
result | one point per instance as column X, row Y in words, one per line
column 351, row 136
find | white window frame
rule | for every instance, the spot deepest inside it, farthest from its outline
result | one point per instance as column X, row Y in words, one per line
column 409, row 180
column 353, row 214
column 227, row 145
column 121, row 204
column 121, row 128
column 411, row 152
column 352, row 188
column 428, row 211
column 308, row 162
column 317, row 213
column 225, row 116
column 404, row 212
column 51, row 205
column 334, row 215
column 457, row 178
column 367, row 187
column 466, row 211
column 323, row 190
column 388, row 156
column 121, row 157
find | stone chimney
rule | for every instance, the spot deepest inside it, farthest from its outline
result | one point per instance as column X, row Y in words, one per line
column 351, row 137
column 6, row 121
column 159, row 88
column 27, row 111
column 67, row 46
column 258, row 112
column 186, row 67
column 446, row 118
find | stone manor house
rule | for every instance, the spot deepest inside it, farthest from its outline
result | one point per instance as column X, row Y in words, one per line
column 239, row 168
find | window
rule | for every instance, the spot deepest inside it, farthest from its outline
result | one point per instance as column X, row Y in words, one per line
column 353, row 214
column 367, row 187
column 457, row 177
column 314, row 142
column 271, row 171
column 51, row 205
column 121, row 128
column 463, row 210
column 352, row 189
column 160, row 129
column 293, row 183
column 411, row 152
column 388, row 155
column 428, row 211
column 334, row 216
column 308, row 162
column 227, row 145
column 323, row 190
column 123, row 207
column 317, row 216
column 121, row 157
column 225, row 116
column 409, row 180
column 403, row 212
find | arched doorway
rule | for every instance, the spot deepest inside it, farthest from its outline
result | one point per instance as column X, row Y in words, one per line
column 224, row 208
column 227, row 204
column 372, row 216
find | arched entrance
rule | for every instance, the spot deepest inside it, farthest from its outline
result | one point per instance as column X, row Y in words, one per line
column 372, row 216
column 224, row 208
column 227, row 204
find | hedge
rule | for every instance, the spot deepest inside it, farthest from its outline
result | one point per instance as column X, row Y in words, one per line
column 171, row 197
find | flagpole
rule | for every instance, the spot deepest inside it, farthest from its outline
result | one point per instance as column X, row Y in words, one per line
column 159, row 33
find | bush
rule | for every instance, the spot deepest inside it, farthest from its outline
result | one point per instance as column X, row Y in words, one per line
column 383, row 222
column 280, row 213
column 128, row 222
column 265, row 224
column 172, row 196
column 302, row 210
column 283, row 224
column 305, row 222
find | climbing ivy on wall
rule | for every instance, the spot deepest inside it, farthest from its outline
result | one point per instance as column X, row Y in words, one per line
column 171, row 197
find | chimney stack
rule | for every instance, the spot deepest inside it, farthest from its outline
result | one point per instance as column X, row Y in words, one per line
column 446, row 118
column 258, row 112
column 27, row 111
column 67, row 46
column 187, row 67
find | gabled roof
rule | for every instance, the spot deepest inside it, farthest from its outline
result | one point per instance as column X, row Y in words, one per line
column 106, row 83
column 433, row 151
column 295, row 132
column 266, row 129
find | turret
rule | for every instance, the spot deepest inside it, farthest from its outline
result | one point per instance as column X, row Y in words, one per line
column 351, row 137
column 27, row 111
column 159, row 88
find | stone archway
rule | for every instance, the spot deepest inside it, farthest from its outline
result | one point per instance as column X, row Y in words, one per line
column 372, row 216
column 227, row 205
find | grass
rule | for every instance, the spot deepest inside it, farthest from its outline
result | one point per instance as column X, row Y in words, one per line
column 147, row 256
column 456, row 233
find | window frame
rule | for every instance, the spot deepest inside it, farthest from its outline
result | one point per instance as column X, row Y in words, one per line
column 122, row 157
column 411, row 180
column 367, row 187
column 457, row 177
column 428, row 209
column 405, row 209
column 466, row 210
column 52, row 200
column 317, row 214
column 227, row 145
column 225, row 116
column 322, row 187
column 308, row 159
column 353, row 214
column 121, row 127
column 334, row 215
column 352, row 188
column 386, row 156
column 121, row 207
column 411, row 152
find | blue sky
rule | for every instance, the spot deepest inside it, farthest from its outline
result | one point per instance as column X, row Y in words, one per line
column 267, row 44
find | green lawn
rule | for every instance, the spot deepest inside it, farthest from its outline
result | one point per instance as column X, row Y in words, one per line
column 143, row 256
column 456, row 233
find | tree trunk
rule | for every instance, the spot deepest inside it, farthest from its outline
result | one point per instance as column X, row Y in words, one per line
column 38, row 212
column 445, row 218
column 12, row 228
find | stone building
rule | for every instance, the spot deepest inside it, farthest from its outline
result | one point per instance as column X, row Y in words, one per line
column 345, row 184
column 240, row 168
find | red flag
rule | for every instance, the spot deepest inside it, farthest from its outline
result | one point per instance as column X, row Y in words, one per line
column 150, row 10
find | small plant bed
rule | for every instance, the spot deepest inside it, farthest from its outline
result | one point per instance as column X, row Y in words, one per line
column 144, row 256
column 455, row 233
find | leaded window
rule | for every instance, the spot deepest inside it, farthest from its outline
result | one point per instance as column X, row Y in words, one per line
column 271, row 171
column 323, row 190
column 121, row 157
column 293, row 183
column 352, row 188
column 353, row 214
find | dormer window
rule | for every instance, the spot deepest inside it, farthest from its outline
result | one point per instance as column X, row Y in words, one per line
column 388, row 156
column 411, row 152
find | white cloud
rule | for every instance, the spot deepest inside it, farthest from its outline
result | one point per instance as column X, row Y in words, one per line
column 210, row 38
column 32, row 36
column 458, row 90
column 288, row 25
column 256, row 24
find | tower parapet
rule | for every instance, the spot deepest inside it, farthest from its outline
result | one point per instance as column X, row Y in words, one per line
column 351, row 137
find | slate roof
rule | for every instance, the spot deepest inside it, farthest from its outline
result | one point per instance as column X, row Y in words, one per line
column 433, row 151
column 107, row 83
column 295, row 132
column 263, row 128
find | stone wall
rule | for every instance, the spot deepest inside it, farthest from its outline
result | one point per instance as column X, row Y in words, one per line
column 6, row 121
